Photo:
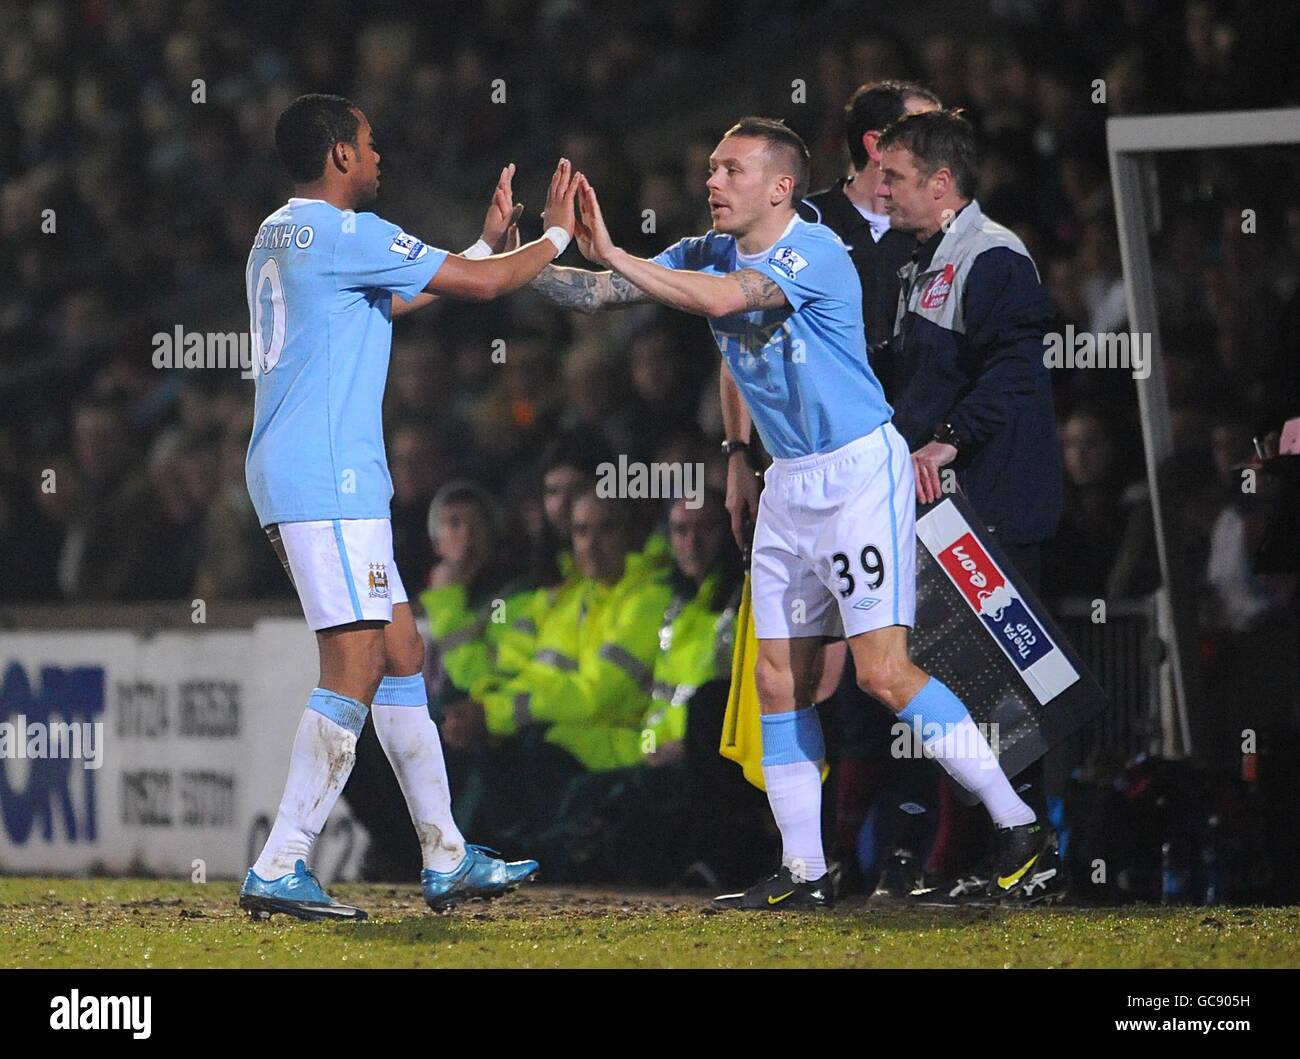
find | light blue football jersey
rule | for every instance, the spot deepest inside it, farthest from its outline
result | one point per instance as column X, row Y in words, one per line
column 803, row 369
column 320, row 282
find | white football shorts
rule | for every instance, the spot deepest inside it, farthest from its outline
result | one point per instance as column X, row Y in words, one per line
column 343, row 569
column 835, row 543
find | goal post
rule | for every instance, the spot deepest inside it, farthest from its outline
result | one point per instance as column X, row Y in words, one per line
column 1131, row 143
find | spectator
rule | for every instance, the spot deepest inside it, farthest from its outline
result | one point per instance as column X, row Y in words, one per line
column 661, row 383
column 183, row 473
column 423, row 456
column 523, row 408
column 1080, row 561
column 598, row 386
column 470, row 603
column 113, row 533
column 690, row 808
column 234, row 562
column 577, row 703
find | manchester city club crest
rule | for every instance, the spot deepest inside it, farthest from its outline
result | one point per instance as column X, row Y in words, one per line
column 378, row 580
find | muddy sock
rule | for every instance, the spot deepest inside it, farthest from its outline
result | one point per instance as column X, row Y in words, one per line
column 410, row 739
column 324, row 751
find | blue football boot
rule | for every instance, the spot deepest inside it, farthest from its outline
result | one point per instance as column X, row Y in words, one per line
column 299, row 895
column 479, row 876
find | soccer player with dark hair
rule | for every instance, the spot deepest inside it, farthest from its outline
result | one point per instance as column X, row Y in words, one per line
column 324, row 282
column 855, row 212
column 834, row 544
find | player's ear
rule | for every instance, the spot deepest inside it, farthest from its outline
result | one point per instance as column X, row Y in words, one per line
column 871, row 141
column 782, row 189
column 342, row 156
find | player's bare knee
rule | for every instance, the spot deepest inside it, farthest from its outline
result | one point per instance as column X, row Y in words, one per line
column 772, row 682
column 404, row 655
column 884, row 680
column 365, row 669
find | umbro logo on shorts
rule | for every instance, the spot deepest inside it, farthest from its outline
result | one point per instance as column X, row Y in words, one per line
column 865, row 603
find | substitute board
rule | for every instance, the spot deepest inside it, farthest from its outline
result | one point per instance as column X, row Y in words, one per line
column 983, row 633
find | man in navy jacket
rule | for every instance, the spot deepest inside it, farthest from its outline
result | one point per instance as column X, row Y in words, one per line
column 972, row 314
column 974, row 395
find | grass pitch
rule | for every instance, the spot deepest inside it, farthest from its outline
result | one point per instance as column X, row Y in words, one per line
column 116, row 923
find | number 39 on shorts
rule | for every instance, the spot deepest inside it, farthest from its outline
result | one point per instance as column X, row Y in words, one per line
column 872, row 564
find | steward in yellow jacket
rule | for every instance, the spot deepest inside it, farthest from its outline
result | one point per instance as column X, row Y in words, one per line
column 695, row 646
column 482, row 642
column 649, row 825
column 590, row 676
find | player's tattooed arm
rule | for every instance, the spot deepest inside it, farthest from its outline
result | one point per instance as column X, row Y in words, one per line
column 758, row 291
column 587, row 292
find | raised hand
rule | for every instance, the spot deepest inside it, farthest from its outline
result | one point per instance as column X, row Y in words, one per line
column 581, row 231
column 502, row 212
column 559, row 212
column 593, row 237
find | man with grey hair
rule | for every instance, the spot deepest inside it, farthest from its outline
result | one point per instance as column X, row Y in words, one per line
column 974, row 395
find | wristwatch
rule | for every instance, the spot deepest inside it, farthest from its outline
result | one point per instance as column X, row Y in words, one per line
column 729, row 448
column 946, row 434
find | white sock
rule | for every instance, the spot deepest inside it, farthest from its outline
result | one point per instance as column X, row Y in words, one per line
column 324, row 751
column 410, row 739
column 967, row 757
column 948, row 734
column 794, row 792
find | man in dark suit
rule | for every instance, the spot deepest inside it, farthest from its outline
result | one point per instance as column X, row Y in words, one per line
column 852, row 209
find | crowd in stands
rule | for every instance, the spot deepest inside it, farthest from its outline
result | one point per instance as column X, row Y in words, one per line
column 564, row 626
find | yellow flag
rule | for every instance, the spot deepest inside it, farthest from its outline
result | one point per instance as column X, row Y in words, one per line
column 742, row 729
column 742, row 735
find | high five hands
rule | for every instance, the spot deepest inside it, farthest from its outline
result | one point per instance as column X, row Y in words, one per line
column 593, row 237
column 501, row 223
column 560, row 212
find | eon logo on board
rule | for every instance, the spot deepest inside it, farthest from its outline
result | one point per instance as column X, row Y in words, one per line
column 995, row 600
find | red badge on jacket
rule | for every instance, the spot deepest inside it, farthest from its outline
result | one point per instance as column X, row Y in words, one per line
column 939, row 288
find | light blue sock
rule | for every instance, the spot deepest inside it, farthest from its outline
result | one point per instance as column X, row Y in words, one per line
column 402, row 691
column 933, row 709
column 793, row 736
column 343, row 711
column 793, row 751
